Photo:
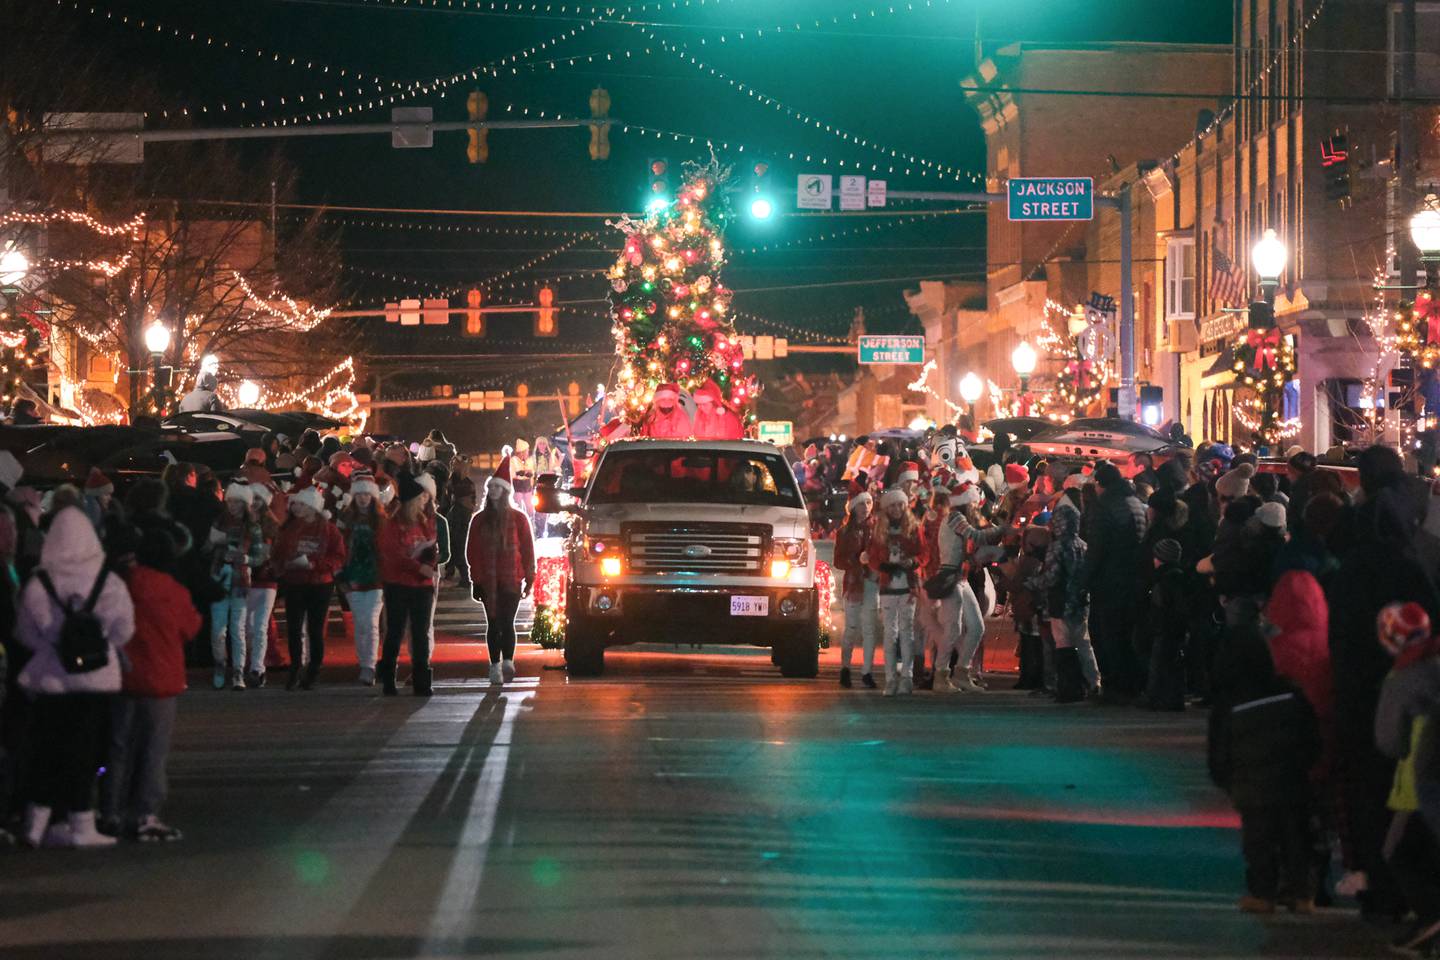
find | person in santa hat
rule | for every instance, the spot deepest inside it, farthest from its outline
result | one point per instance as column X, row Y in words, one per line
column 894, row 556
column 360, row 521
column 410, row 561
column 713, row 419
column 308, row 552
column 230, row 550
column 960, row 614
column 859, row 588
column 260, row 598
column 667, row 417
column 100, row 505
column 500, row 553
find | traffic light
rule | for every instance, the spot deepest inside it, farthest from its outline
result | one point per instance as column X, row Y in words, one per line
column 1262, row 315
column 477, row 105
column 762, row 203
column 659, row 192
column 474, row 316
column 545, row 325
column 572, row 398
column 522, row 401
column 600, row 130
column 1335, row 162
column 1152, row 405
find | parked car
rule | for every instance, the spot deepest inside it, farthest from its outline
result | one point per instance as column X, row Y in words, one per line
column 1100, row 438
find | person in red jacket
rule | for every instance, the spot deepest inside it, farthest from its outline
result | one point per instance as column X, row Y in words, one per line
column 858, row 589
column 409, row 557
column 308, row 552
column 142, row 718
column 500, row 552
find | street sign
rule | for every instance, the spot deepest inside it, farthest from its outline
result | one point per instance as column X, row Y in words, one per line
column 875, row 194
column 852, row 193
column 410, row 137
column 779, row 432
column 892, row 349
column 1051, row 198
column 813, row 191
column 409, row 313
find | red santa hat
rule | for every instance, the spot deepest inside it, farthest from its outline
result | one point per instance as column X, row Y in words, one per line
column 309, row 497
column 909, row 470
column 1401, row 624
column 893, row 496
column 709, row 393
column 97, row 484
column 668, row 389
column 859, row 496
column 963, row 493
column 1016, row 475
column 363, row 481
column 502, row 475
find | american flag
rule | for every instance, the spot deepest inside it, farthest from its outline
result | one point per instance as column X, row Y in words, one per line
column 1227, row 281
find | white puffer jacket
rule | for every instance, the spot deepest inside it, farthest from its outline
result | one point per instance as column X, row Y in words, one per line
column 73, row 558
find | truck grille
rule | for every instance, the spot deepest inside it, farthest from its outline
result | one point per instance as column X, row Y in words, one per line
column 698, row 548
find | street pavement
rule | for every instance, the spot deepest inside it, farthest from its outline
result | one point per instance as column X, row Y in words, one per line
column 682, row 805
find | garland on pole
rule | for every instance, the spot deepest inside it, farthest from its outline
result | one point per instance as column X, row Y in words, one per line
column 672, row 317
column 1265, row 362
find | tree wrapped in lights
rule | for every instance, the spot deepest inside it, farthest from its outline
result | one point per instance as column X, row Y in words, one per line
column 1083, row 373
column 671, row 313
column 1265, row 362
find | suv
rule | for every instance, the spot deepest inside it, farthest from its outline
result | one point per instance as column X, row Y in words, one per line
column 692, row 541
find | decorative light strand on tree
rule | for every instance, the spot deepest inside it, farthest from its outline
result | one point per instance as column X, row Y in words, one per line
column 671, row 312
column 1265, row 362
column 288, row 312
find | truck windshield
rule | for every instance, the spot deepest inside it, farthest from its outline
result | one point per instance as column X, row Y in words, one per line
column 700, row 476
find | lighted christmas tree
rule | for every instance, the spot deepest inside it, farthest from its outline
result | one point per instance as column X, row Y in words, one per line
column 671, row 313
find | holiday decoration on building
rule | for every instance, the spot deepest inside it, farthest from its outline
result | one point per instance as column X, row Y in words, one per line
column 1082, row 350
column 1264, row 363
column 671, row 313
column 1417, row 329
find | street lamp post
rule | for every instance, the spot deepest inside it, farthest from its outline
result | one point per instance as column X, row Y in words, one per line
column 970, row 390
column 1268, row 257
column 157, row 341
column 1023, row 360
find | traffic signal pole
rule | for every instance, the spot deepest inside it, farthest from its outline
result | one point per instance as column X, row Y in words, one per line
column 1121, row 202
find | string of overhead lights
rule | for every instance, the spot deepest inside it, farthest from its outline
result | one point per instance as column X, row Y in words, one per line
column 810, row 335
column 370, row 223
column 288, row 312
column 130, row 228
column 1224, row 112
column 927, row 167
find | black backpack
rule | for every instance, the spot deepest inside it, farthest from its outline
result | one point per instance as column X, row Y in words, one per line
column 82, row 647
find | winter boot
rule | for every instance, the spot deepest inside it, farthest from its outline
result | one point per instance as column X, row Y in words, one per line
column 496, row 677
column 507, row 670
column 1069, row 681
column 311, row 675
column 845, row 677
column 422, row 681
column 1031, row 663
column 385, row 673
column 83, row 832
column 37, row 819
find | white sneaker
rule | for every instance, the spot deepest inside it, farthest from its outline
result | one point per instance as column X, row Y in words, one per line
column 507, row 670
column 892, row 684
column 496, row 677
column 237, row 680
column 84, row 834
column 967, row 685
column 33, row 828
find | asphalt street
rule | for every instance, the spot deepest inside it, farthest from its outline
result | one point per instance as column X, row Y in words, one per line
column 683, row 805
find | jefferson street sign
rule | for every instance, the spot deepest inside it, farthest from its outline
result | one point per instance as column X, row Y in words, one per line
column 1052, row 198
column 881, row 349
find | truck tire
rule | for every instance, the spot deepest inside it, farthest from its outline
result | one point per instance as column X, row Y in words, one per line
column 797, row 651
column 584, row 648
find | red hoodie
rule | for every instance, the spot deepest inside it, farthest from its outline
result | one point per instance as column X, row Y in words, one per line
column 318, row 539
column 165, row 620
column 404, row 549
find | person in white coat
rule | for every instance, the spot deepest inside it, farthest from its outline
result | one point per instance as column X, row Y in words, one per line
column 70, row 710
column 961, row 617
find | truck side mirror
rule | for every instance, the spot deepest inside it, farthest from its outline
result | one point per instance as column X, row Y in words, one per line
column 580, row 449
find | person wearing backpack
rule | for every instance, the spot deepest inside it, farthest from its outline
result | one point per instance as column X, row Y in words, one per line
column 74, row 617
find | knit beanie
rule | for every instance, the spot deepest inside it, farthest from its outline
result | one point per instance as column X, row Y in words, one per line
column 1271, row 515
column 1168, row 551
column 1235, row 483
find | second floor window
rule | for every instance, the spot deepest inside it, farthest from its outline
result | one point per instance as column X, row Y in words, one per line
column 1180, row 278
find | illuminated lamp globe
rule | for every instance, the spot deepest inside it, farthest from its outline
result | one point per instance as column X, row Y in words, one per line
column 248, row 394
column 1024, row 359
column 1425, row 228
column 1268, row 256
column 761, row 208
column 971, row 388
column 14, row 265
column 157, row 337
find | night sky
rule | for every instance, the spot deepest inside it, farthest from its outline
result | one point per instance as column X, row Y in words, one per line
column 890, row 75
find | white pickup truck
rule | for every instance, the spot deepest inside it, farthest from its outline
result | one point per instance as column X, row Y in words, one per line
column 689, row 541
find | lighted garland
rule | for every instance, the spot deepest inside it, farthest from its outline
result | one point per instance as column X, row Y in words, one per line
column 671, row 314
column 1265, row 362
column 1417, row 330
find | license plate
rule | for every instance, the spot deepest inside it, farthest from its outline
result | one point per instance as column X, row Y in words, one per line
column 749, row 606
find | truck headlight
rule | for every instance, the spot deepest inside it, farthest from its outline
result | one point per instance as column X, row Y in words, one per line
column 779, row 568
column 794, row 549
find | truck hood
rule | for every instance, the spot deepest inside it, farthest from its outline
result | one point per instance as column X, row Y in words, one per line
column 785, row 521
